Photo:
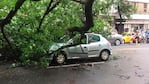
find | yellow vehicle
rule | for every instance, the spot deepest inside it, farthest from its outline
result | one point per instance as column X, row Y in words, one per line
column 127, row 38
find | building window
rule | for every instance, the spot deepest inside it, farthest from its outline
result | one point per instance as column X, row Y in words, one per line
column 135, row 4
column 145, row 7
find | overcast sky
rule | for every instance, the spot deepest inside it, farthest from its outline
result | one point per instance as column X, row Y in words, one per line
column 140, row 0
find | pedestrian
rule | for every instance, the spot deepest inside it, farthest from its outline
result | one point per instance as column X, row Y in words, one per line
column 147, row 35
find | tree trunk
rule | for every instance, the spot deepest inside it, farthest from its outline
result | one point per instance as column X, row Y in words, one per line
column 89, row 19
column 120, row 27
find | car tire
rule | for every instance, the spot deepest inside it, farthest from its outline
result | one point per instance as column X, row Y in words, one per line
column 60, row 58
column 104, row 55
column 117, row 42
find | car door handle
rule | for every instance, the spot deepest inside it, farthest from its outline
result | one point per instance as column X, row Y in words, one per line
column 85, row 47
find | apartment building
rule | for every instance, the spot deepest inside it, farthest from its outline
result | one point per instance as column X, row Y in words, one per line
column 138, row 21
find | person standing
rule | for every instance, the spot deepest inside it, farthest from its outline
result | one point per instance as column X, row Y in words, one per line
column 147, row 35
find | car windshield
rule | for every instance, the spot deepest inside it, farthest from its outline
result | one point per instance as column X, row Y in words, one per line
column 67, row 38
column 64, row 39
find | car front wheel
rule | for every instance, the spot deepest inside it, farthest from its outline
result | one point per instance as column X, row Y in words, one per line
column 104, row 55
column 117, row 42
column 60, row 58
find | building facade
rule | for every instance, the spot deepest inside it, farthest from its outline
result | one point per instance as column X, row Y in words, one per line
column 138, row 21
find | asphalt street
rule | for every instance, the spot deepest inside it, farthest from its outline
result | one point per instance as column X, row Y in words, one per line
column 128, row 65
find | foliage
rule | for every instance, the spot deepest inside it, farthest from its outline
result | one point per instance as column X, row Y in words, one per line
column 102, row 16
column 102, row 27
column 22, row 30
column 102, row 6
column 5, row 7
column 33, row 46
column 126, row 8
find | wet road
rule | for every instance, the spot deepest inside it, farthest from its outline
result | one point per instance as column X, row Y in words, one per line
column 128, row 65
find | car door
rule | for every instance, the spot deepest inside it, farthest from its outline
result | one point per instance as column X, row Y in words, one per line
column 93, row 45
column 79, row 51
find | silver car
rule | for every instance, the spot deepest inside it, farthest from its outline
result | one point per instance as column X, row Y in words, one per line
column 115, row 39
column 92, row 45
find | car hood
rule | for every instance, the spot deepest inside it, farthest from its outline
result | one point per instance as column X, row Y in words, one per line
column 56, row 46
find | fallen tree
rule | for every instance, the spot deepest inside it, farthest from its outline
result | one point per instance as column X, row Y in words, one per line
column 87, row 24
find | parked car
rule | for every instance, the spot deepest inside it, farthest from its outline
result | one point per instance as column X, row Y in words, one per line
column 92, row 45
column 115, row 39
column 127, row 38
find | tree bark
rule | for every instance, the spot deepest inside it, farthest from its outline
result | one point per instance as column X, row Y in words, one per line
column 121, row 19
column 89, row 19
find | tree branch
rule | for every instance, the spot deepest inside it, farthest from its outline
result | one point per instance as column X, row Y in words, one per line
column 81, row 1
column 8, row 19
column 120, row 15
column 12, row 13
column 89, row 19
column 51, row 6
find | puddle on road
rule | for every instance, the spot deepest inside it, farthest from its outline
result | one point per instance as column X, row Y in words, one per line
column 124, row 51
column 122, row 54
column 124, row 77
column 128, row 52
